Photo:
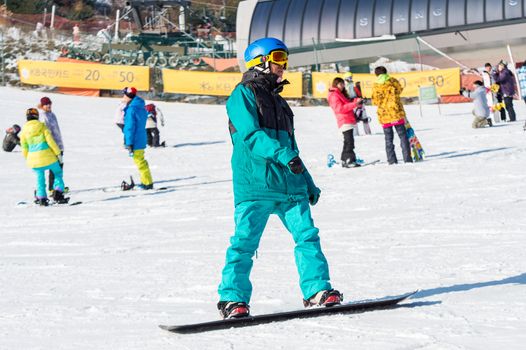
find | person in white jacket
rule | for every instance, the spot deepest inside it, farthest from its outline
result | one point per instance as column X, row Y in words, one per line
column 480, row 105
column 152, row 131
column 50, row 119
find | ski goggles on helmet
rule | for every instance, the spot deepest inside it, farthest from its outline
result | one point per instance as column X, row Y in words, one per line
column 279, row 57
column 32, row 113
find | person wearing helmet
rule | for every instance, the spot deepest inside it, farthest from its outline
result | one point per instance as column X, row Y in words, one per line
column 269, row 177
column 355, row 93
column 42, row 153
column 11, row 138
column 135, row 134
column 506, row 80
column 152, row 131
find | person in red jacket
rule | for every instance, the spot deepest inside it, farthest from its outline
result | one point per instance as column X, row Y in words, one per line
column 343, row 109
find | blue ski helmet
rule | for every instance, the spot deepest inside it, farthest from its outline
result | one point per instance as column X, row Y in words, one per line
column 262, row 48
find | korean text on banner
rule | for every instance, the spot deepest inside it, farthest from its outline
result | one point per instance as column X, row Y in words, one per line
column 83, row 75
column 218, row 84
column 446, row 81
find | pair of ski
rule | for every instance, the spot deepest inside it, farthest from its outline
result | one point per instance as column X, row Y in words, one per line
column 348, row 308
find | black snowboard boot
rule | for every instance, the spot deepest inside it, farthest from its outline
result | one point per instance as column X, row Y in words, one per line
column 324, row 298
column 58, row 197
column 43, row 202
column 233, row 309
column 145, row 187
column 348, row 164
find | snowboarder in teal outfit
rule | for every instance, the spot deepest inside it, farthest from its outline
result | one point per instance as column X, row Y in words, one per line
column 269, row 178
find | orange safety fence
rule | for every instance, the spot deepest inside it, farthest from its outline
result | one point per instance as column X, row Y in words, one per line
column 466, row 82
column 220, row 64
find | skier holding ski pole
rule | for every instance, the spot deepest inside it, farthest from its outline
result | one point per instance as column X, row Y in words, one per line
column 269, row 177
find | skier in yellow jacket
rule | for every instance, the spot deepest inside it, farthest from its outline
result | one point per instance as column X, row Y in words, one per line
column 386, row 95
column 42, row 153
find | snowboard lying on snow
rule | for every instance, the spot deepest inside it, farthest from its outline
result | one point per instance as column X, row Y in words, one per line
column 347, row 308
column 25, row 204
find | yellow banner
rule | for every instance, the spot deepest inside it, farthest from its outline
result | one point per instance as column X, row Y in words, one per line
column 218, row 84
column 83, row 75
column 447, row 82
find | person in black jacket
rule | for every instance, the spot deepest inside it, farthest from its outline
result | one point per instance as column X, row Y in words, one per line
column 11, row 138
column 506, row 80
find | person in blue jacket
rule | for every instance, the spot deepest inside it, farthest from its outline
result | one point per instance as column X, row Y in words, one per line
column 269, row 177
column 134, row 130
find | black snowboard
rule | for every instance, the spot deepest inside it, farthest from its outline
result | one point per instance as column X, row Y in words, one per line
column 370, row 163
column 348, row 308
column 51, row 204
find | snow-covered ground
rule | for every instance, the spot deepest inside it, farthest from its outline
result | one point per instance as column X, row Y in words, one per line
column 104, row 274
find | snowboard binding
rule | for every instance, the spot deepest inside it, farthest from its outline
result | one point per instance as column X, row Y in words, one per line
column 58, row 197
column 127, row 186
column 331, row 161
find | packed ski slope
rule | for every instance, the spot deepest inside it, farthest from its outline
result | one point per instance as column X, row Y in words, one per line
column 104, row 274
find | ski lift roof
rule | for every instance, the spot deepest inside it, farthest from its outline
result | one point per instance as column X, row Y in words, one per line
column 302, row 23
column 306, row 25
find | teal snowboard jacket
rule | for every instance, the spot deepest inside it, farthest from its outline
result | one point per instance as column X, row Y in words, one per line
column 262, row 132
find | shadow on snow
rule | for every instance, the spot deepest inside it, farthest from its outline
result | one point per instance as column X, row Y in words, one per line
column 455, row 154
column 166, row 189
column 197, row 143
column 519, row 279
column 118, row 186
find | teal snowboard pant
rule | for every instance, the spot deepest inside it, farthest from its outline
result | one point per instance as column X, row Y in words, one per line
column 250, row 219
column 58, row 183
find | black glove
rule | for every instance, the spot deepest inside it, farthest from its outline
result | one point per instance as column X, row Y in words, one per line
column 313, row 199
column 130, row 150
column 296, row 165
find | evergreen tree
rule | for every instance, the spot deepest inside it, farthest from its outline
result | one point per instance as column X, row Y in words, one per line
column 26, row 6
